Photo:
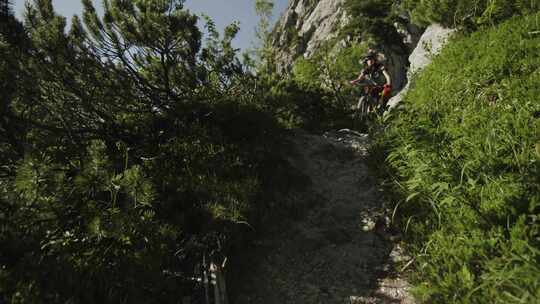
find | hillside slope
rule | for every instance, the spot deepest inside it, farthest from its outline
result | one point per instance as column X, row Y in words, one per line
column 464, row 172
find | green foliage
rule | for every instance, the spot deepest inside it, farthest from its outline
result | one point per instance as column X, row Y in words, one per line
column 330, row 69
column 373, row 20
column 468, row 14
column 264, row 51
column 462, row 164
column 298, row 106
column 128, row 151
column 81, row 231
column 317, row 95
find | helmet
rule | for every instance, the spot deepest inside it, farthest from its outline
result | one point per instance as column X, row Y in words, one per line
column 370, row 55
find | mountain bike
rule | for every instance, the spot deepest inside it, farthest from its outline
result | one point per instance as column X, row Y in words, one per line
column 371, row 100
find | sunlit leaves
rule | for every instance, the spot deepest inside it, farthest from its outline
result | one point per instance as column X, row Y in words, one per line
column 468, row 14
column 463, row 163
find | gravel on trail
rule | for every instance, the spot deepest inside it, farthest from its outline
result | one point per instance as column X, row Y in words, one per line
column 341, row 250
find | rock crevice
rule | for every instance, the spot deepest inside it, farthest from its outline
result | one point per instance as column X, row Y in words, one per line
column 429, row 45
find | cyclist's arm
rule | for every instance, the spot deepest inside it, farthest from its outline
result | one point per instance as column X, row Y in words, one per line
column 387, row 90
column 387, row 76
column 359, row 78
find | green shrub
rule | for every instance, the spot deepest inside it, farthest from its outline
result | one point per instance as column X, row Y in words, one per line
column 373, row 20
column 127, row 153
column 319, row 87
column 302, row 105
column 466, row 13
column 330, row 69
column 462, row 161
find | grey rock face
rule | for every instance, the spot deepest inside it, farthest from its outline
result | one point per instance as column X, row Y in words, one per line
column 304, row 27
column 429, row 45
column 410, row 32
column 396, row 63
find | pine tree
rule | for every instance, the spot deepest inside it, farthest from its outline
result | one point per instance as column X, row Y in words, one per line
column 264, row 8
column 131, row 164
column 5, row 15
column 155, row 41
column 5, row 8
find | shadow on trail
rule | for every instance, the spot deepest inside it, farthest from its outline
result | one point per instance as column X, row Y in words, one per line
column 338, row 251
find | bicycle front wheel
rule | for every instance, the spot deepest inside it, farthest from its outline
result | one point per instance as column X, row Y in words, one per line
column 363, row 106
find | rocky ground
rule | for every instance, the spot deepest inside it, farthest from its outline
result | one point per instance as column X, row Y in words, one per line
column 341, row 250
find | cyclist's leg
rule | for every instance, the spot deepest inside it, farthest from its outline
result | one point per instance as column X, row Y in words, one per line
column 362, row 106
column 372, row 103
column 383, row 104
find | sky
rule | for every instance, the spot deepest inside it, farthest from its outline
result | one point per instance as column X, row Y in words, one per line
column 223, row 12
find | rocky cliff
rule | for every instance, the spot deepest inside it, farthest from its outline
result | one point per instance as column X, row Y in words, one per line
column 429, row 45
column 308, row 24
column 304, row 27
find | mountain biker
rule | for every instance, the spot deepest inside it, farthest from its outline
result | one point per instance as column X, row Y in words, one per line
column 376, row 76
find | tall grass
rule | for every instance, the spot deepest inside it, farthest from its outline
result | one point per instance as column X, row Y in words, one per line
column 461, row 163
column 468, row 14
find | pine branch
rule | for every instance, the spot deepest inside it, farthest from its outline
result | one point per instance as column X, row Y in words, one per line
column 5, row 9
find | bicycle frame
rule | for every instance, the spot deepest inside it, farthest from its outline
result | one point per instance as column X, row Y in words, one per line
column 370, row 99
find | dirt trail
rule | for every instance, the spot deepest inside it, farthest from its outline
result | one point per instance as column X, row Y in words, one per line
column 339, row 252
